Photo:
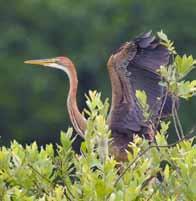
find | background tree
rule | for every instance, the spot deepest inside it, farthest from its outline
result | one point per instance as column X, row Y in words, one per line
column 32, row 100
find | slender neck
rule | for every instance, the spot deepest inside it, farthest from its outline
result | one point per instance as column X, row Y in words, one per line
column 77, row 119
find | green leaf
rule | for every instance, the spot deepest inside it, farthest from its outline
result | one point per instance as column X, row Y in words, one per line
column 142, row 99
column 184, row 65
column 186, row 89
column 166, row 173
column 45, row 174
column 66, row 138
column 166, row 42
column 164, row 127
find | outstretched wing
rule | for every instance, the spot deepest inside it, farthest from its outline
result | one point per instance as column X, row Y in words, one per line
column 135, row 67
column 150, row 56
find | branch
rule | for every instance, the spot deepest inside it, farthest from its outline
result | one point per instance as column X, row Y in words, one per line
column 174, row 119
column 145, row 151
column 45, row 178
column 178, row 121
column 161, row 110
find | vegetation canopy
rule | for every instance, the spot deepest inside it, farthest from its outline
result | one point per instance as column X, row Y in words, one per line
column 156, row 171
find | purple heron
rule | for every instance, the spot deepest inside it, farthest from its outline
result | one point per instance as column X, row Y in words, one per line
column 133, row 66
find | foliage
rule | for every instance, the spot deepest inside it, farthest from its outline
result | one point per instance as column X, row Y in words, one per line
column 175, row 85
column 166, row 42
column 174, row 74
column 142, row 99
column 42, row 174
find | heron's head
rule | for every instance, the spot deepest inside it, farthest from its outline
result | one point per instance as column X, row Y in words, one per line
column 62, row 63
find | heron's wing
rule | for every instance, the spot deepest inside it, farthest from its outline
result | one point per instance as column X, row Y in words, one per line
column 144, row 76
column 136, row 64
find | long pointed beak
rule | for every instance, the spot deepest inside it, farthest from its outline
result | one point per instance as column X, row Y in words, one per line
column 40, row 61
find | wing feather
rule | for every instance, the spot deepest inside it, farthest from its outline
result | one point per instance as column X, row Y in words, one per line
column 136, row 63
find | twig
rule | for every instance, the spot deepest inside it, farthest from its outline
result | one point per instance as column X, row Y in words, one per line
column 133, row 162
column 45, row 178
column 178, row 121
column 161, row 110
column 149, row 198
column 147, row 181
column 38, row 188
column 174, row 119
column 42, row 176
column 144, row 152
column 68, row 190
column 67, row 196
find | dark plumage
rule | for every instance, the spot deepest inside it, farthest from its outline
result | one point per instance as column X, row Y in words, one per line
column 135, row 67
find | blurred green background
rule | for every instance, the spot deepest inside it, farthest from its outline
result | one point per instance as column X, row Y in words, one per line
column 32, row 99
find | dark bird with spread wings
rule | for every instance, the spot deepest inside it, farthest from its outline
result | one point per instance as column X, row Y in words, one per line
column 132, row 67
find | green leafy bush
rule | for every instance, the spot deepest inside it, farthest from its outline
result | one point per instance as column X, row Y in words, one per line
column 33, row 173
column 157, row 171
